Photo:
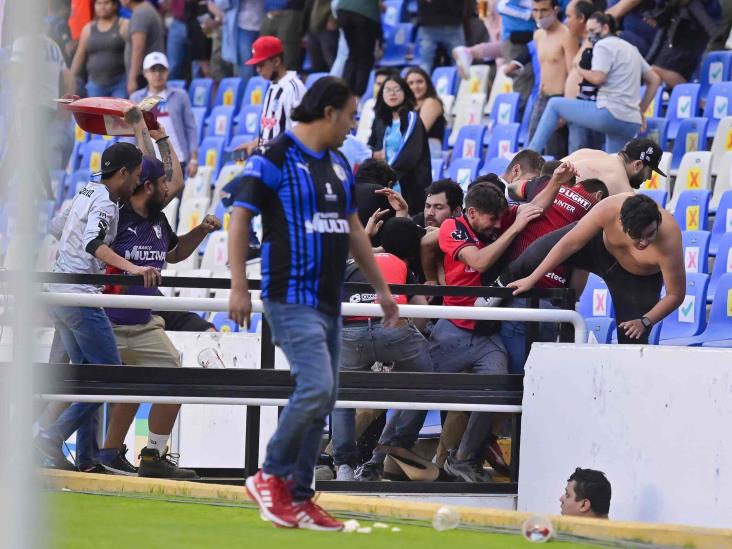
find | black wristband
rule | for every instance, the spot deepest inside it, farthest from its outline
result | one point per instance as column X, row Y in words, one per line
column 162, row 139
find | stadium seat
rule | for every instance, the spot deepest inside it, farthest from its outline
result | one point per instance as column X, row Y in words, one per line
column 47, row 254
column 721, row 145
column 692, row 210
column 503, row 140
column 221, row 123
column 211, row 153
column 683, row 104
column 696, row 251
column 595, row 300
column 660, row 196
column 656, row 128
column 722, row 221
column 223, row 323
column 78, row 180
column 200, row 92
column 216, row 255
column 198, row 186
column 365, row 122
column 523, row 137
column 171, row 213
column 463, row 171
column 178, row 84
column 255, row 90
column 392, row 13
column 501, row 84
column 722, row 263
column 255, row 323
column 369, row 93
column 445, row 80
column 313, row 77
column 655, row 107
column 248, row 121
column 168, row 291
column 690, row 137
column 602, row 328
column 690, row 318
column 657, row 181
column 437, row 166
column 91, row 157
column 230, row 93
column 468, row 110
column 722, row 184
column 477, row 83
column 397, row 44
column 470, row 142
column 695, row 173
column 58, row 185
column 716, row 68
column 496, row 165
column 192, row 212
column 718, row 105
column 195, row 292
column 506, row 108
column 199, row 115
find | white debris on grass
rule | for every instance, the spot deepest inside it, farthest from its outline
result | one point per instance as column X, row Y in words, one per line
column 396, row 529
column 351, row 526
column 380, row 525
column 364, row 530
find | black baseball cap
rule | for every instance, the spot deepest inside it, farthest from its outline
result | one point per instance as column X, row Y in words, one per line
column 645, row 150
column 118, row 156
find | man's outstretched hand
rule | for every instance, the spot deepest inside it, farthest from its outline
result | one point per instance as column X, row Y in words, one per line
column 521, row 286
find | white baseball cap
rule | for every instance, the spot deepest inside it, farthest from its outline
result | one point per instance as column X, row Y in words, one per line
column 154, row 58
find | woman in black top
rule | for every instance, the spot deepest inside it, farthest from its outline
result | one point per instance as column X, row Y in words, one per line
column 398, row 137
column 429, row 104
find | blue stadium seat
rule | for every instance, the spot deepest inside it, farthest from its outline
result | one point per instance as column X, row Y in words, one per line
column 602, row 327
column 470, row 142
column 722, row 222
column 716, row 67
column 722, row 264
column 526, row 120
column 690, row 318
column 595, row 299
column 445, row 80
column 496, row 165
column 91, row 154
column 223, row 323
column 692, row 210
column 683, row 104
column 718, row 105
column 221, row 122
column 313, row 77
column 505, row 108
column 58, row 180
column 369, row 93
column 211, row 153
column 75, row 181
column 392, row 15
column 463, row 171
column 255, row 90
column 656, row 129
column 661, row 197
column 397, row 42
column 248, row 120
column 691, row 136
column 180, row 84
column 230, row 93
column 254, row 321
column 437, row 167
column 200, row 93
column 503, row 140
column 696, row 251
column 655, row 109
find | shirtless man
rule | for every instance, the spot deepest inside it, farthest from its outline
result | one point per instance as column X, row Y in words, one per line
column 631, row 243
column 578, row 12
column 556, row 48
column 621, row 172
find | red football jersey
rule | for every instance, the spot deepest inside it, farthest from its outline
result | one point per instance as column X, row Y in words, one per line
column 570, row 205
column 456, row 234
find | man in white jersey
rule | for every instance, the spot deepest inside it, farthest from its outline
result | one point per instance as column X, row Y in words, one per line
column 84, row 248
column 283, row 95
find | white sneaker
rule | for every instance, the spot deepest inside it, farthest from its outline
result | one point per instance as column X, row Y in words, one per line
column 345, row 472
column 463, row 60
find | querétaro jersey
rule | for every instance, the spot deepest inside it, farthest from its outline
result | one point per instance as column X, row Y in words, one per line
column 280, row 100
column 144, row 242
column 305, row 199
column 92, row 216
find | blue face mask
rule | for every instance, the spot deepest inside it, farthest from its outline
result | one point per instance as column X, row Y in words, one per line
column 593, row 37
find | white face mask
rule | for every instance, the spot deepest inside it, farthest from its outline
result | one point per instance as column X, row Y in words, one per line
column 546, row 22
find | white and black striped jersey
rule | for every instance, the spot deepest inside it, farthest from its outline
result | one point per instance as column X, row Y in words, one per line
column 91, row 219
column 279, row 102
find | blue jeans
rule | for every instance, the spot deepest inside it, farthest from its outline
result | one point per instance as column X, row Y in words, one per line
column 118, row 89
column 177, row 48
column 581, row 114
column 513, row 334
column 311, row 341
column 363, row 345
column 429, row 37
column 88, row 338
column 244, row 41
column 341, row 56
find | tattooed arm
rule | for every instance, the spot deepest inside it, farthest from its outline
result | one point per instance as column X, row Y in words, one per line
column 173, row 169
column 133, row 116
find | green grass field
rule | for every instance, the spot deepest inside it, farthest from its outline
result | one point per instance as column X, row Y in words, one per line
column 108, row 522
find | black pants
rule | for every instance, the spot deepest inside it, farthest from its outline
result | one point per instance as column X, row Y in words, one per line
column 633, row 295
column 361, row 33
column 322, row 47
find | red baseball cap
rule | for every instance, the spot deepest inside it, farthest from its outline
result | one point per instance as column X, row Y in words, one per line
column 265, row 47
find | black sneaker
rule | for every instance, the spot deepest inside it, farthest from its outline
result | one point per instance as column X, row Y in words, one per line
column 369, row 472
column 51, row 455
column 114, row 460
column 97, row 468
column 153, row 465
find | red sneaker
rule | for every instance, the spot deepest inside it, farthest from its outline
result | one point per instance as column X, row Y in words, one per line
column 274, row 499
column 312, row 516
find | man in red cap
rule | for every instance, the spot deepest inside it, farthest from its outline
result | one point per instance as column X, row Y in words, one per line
column 283, row 95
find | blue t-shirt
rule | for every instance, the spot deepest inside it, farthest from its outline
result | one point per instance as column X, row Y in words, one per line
column 305, row 199
column 392, row 140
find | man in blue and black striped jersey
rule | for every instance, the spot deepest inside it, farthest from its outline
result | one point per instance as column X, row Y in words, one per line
column 303, row 189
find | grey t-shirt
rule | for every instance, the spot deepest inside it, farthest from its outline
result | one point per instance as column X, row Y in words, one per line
column 146, row 20
column 624, row 66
